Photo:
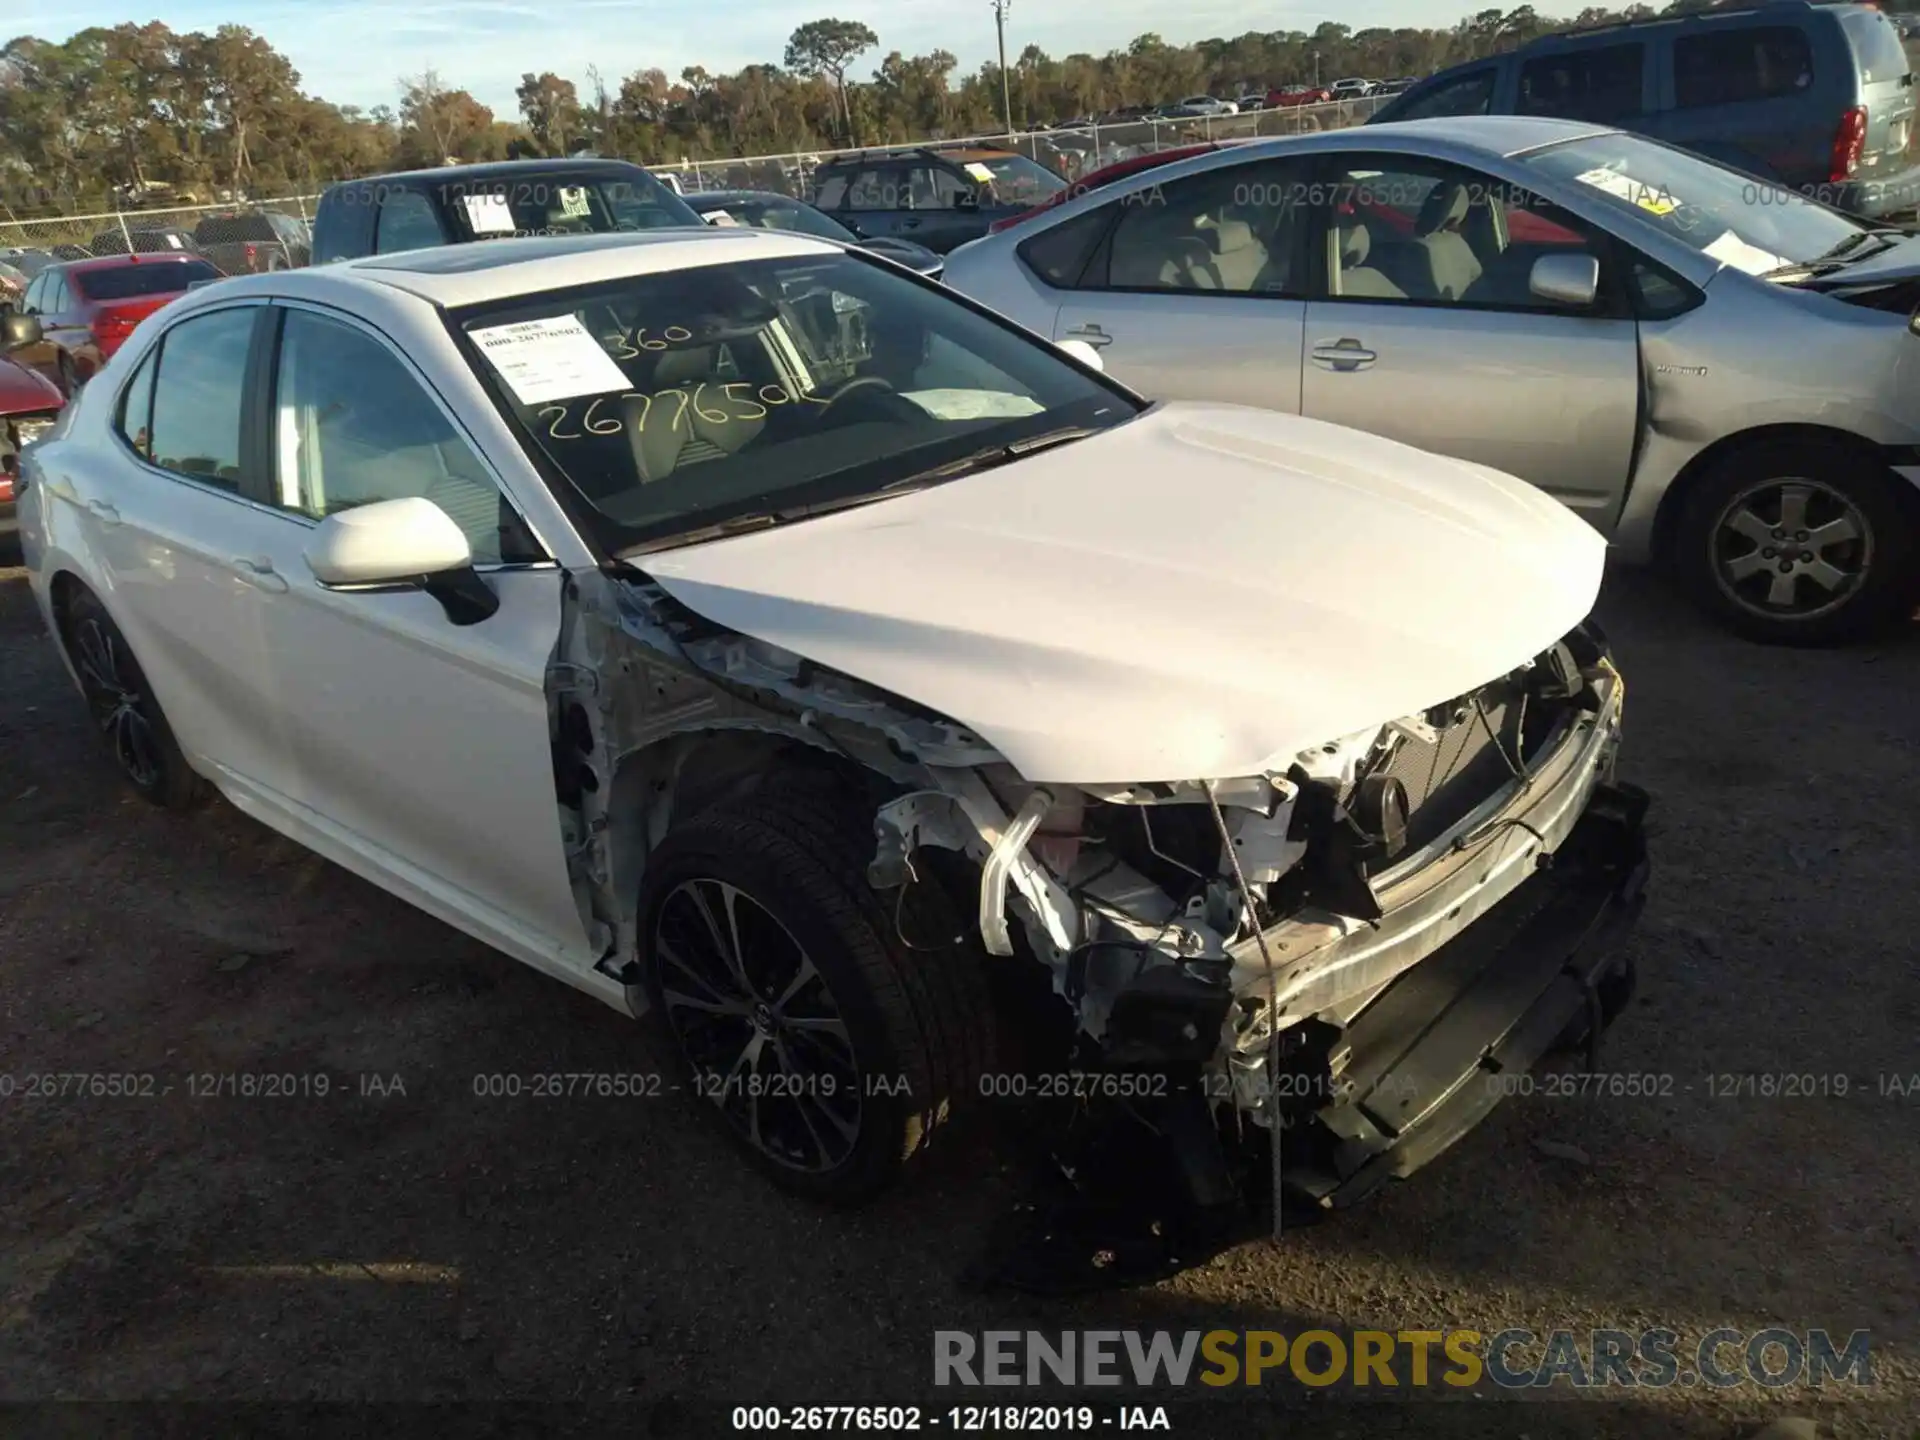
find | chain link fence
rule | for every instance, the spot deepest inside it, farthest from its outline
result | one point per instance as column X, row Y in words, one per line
column 1070, row 150
column 261, row 235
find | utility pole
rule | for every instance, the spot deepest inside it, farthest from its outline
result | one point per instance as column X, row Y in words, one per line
column 1000, row 8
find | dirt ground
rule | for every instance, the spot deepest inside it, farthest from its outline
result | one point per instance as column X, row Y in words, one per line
column 427, row 1243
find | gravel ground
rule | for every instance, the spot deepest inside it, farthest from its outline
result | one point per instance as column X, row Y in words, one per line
column 427, row 1244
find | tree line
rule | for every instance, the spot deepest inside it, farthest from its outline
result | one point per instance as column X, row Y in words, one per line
column 117, row 114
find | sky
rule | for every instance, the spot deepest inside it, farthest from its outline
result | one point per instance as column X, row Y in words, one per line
column 353, row 52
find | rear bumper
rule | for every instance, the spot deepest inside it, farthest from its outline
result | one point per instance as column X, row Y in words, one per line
column 1430, row 1057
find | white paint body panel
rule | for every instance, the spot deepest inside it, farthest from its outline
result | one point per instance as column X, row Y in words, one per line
column 1201, row 593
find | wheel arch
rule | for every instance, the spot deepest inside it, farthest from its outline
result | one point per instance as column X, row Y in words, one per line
column 1673, row 503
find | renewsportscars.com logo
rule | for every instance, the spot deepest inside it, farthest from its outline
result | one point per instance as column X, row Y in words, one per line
column 1402, row 1359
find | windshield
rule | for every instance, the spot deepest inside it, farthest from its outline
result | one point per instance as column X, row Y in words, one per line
column 777, row 214
column 125, row 282
column 1740, row 221
column 562, row 204
column 680, row 400
column 1017, row 180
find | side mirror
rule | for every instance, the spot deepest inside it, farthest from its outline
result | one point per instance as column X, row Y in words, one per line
column 1084, row 353
column 1570, row 280
column 18, row 331
column 401, row 544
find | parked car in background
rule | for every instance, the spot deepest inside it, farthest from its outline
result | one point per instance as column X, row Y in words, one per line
column 1209, row 105
column 1353, row 88
column 141, row 240
column 935, row 198
column 29, row 405
column 1628, row 296
column 739, row 629
column 1106, row 175
column 1252, row 100
column 86, row 308
column 30, row 260
column 1292, row 97
column 765, row 210
column 245, row 242
column 1398, row 85
column 1817, row 98
column 416, row 209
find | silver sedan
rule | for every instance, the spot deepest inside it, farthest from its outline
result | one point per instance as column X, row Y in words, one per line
column 1717, row 375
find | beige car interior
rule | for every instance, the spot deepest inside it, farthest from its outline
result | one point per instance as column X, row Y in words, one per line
column 684, row 415
column 1459, row 251
column 344, row 454
column 1163, row 247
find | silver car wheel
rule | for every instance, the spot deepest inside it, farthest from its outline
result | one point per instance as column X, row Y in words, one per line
column 1791, row 548
column 758, row 1026
column 118, row 706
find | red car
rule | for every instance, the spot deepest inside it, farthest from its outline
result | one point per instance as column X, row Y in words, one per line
column 86, row 308
column 29, row 404
column 1297, row 95
column 1106, row 175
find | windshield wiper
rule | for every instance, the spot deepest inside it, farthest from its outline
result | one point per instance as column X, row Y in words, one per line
column 1842, row 254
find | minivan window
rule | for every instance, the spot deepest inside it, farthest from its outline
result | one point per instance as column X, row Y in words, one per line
column 1876, row 45
column 1712, row 209
column 678, row 400
column 1470, row 94
column 126, row 282
column 1601, row 86
column 1732, row 67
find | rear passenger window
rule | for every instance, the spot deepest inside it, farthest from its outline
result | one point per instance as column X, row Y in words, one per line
column 1059, row 256
column 1233, row 230
column 195, row 411
column 1730, row 67
column 136, row 408
column 1876, row 45
column 407, row 222
column 1602, row 86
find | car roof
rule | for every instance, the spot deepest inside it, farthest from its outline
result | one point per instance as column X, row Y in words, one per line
column 122, row 262
column 483, row 270
column 1503, row 135
column 500, row 170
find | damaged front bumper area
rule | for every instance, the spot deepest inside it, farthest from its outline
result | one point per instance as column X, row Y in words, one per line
column 1331, row 958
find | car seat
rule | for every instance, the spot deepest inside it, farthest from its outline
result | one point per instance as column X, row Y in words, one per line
column 1443, row 263
column 1353, row 245
column 666, row 434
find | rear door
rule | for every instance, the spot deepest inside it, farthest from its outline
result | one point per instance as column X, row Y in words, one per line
column 1751, row 96
column 1198, row 290
column 1601, row 84
column 878, row 201
column 1886, row 88
column 1423, row 328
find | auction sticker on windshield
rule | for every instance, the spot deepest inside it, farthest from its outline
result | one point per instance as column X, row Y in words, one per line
column 553, row 359
column 1651, row 198
column 574, row 203
column 978, row 172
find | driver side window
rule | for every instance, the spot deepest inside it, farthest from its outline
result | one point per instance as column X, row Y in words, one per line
column 353, row 426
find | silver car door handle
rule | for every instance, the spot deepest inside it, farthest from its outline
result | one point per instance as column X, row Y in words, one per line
column 260, row 574
column 103, row 512
column 1344, row 355
column 1092, row 334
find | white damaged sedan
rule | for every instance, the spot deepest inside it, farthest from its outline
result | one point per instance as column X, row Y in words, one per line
column 737, row 627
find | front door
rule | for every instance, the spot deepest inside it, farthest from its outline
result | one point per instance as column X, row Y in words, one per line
column 1424, row 328
column 423, row 742
column 1198, row 291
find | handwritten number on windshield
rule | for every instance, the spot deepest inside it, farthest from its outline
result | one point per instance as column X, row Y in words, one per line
column 591, row 422
column 630, row 347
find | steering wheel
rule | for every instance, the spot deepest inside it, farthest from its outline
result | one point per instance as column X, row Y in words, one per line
column 858, row 382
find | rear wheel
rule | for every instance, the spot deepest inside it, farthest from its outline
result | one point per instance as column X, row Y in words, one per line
column 123, row 707
column 825, row 1044
column 1800, row 543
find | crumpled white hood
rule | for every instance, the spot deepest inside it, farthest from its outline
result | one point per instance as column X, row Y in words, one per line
column 1201, row 593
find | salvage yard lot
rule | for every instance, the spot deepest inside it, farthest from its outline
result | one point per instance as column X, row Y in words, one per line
column 220, row 1246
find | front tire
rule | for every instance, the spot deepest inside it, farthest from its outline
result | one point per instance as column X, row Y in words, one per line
column 1798, row 543
column 125, row 710
column 826, row 1045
